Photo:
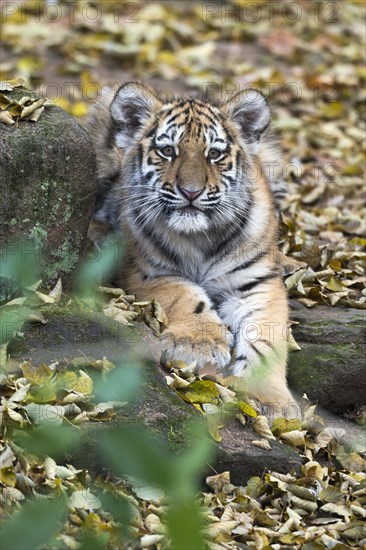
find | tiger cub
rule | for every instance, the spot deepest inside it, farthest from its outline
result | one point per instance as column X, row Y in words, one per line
column 187, row 182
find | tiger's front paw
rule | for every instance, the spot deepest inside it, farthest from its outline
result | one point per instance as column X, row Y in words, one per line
column 209, row 345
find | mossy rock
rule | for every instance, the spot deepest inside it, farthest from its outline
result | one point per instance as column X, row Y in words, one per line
column 48, row 187
column 331, row 366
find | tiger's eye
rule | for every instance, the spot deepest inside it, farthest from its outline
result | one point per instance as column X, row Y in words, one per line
column 168, row 150
column 214, row 154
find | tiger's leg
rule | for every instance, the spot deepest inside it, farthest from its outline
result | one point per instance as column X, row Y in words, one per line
column 258, row 321
column 194, row 331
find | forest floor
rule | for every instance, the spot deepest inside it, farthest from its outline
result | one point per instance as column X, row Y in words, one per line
column 309, row 60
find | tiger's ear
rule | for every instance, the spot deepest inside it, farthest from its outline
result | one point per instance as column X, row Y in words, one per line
column 251, row 115
column 131, row 108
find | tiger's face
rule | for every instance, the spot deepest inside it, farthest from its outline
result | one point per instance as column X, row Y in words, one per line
column 189, row 162
column 192, row 165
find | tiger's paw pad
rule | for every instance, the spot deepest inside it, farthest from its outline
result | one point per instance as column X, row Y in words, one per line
column 210, row 349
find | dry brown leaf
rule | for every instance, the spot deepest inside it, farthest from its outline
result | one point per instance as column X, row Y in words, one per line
column 261, row 426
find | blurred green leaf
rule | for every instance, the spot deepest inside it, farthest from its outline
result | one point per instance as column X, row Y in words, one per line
column 120, row 509
column 135, row 452
column 48, row 439
column 189, row 465
column 94, row 543
column 9, row 289
column 185, row 526
column 104, row 265
column 120, row 384
column 33, row 525
column 20, row 262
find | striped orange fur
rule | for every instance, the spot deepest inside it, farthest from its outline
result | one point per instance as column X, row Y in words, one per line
column 188, row 182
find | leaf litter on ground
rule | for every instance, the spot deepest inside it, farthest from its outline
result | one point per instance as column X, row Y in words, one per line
column 322, row 133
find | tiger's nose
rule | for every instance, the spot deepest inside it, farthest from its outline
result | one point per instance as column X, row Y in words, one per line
column 190, row 195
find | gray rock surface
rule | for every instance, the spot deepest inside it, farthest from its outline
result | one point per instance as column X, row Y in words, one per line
column 47, row 172
column 331, row 366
